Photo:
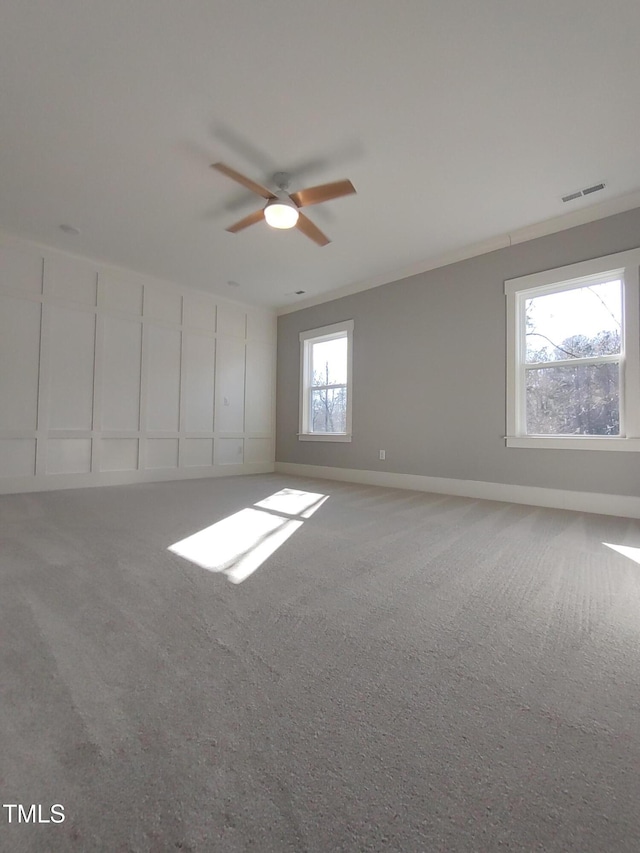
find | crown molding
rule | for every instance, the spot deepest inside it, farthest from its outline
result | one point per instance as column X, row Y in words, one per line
column 610, row 207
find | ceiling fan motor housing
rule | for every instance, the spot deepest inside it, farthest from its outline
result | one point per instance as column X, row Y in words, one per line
column 282, row 180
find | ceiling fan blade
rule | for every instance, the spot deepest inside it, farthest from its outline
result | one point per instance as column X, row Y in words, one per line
column 251, row 219
column 311, row 231
column 242, row 179
column 324, row 192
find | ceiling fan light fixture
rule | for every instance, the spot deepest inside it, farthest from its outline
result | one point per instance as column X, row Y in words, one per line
column 281, row 213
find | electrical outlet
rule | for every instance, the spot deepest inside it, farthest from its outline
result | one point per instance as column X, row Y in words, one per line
column 383, row 454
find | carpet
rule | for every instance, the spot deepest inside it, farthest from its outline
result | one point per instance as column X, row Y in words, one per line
column 404, row 672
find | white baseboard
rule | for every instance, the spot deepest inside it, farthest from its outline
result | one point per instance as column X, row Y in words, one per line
column 626, row 506
column 52, row 482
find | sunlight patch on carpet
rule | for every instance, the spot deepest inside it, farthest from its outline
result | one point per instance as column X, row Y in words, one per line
column 293, row 502
column 239, row 544
column 626, row 551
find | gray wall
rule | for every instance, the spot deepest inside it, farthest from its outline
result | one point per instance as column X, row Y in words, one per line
column 429, row 373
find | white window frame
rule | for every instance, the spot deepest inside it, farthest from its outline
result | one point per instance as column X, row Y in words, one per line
column 307, row 340
column 626, row 266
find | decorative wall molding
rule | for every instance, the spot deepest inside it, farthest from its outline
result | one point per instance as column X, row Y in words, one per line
column 107, row 376
column 626, row 506
column 53, row 482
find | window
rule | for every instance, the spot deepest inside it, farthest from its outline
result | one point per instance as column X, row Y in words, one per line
column 573, row 349
column 325, row 383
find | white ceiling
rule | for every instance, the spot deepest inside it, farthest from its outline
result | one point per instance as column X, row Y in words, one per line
column 456, row 120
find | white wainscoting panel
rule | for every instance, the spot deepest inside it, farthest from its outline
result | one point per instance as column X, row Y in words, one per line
column 258, row 450
column 121, row 293
column 71, row 279
column 70, row 363
column 232, row 320
column 163, row 377
column 199, row 380
column 261, row 326
column 197, row 452
column 121, row 358
column 259, row 382
column 230, row 358
column 17, row 457
column 20, row 271
column 199, row 311
column 108, row 376
column 163, row 305
column 19, row 362
column 228, row 451
column 162, row 453
column 68, row 455
column 119, row 454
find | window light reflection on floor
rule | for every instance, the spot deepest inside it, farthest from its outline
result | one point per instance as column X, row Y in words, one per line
column 293, row 502
column 239, row 544
column 626, row 551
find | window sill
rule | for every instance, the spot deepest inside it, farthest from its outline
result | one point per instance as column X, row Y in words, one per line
column 324, row 436
column 573, row 442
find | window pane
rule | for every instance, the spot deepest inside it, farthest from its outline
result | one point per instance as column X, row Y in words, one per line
column 329, row 362
column 578, row 323
column 580, row 400
column 329, row 410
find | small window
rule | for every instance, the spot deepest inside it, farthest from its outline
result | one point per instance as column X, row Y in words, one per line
column 573, row 353
column 325, row 383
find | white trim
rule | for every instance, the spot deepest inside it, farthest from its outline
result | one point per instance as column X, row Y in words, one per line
column 579, row 361
column 574, row 442
column 622, row 265
column 625, row 506
column 325, row 436
column 574, row 275
column 630, row 384
column 335, row 330
column 308, row 338
column 555, row 224
column 53, row 482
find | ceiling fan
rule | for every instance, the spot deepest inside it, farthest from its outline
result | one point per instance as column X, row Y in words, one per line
column 282, row 209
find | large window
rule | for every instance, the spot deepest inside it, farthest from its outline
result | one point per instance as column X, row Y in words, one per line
column 573, row 372
column 325, row 383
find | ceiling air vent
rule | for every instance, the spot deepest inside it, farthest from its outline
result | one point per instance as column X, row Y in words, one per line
column 587, row 191
column 594, row 189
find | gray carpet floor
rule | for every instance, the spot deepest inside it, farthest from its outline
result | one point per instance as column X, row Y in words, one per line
column 407, row 672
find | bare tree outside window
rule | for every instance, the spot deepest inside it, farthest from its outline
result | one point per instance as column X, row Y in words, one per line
column 329, row 386
column 572, row 366
column 325, row 382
